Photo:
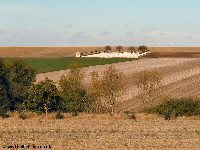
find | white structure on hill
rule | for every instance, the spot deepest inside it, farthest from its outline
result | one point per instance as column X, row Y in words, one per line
column 114, row 54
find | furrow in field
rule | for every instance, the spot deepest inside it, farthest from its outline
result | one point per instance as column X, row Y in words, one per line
column 127, row 68
column 188, row 87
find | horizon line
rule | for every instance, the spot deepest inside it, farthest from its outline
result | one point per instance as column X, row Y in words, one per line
column 101, row 46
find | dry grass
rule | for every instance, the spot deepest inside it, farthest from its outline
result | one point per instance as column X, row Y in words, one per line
column 102, row 132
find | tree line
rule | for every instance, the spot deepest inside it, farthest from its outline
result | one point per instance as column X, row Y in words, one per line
column 19, row 92
column 119, row 49
column 132, row 49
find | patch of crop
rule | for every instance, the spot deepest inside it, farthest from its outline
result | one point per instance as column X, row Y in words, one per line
column 42, row 65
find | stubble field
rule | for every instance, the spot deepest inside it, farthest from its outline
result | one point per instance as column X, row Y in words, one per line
column 102, row 132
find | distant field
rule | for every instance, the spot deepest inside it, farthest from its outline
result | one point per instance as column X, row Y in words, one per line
column 174, row 54
column 42, row 65
column 70, row 51
column 43, row 51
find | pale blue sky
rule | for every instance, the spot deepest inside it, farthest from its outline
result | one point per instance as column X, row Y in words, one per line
column 99, row 22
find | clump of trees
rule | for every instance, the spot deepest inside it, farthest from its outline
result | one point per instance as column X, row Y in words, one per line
column 132, row 49
column 18, row 92
column 15, row 80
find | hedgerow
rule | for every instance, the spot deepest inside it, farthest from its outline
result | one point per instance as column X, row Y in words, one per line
column 177, row 107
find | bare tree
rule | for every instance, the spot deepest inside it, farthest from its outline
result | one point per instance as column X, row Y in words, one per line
column 147, row 81
column 111, row 86
column 96, row 91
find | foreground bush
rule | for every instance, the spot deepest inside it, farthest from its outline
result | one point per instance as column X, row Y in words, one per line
column 60, row 115
column 44, row 97
column 175, row 108
column 23, row 116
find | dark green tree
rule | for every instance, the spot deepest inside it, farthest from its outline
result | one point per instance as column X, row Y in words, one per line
column 44, row 97
column 4, row 89
column 21, row 78
column 73, row 91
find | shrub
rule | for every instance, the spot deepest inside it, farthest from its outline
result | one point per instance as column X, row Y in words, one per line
column 39, row 113
column 23, row 116
column 131, row 114
column 59, row 115
column 44, row 97
column 175, row 108
column 5, row 115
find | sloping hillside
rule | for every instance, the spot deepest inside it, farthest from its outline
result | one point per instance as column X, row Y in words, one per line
column 181, row 78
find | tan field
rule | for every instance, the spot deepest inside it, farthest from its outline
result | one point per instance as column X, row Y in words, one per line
column 102, row 132
column 70, row 51
column 42, row 51
column 180, row 78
